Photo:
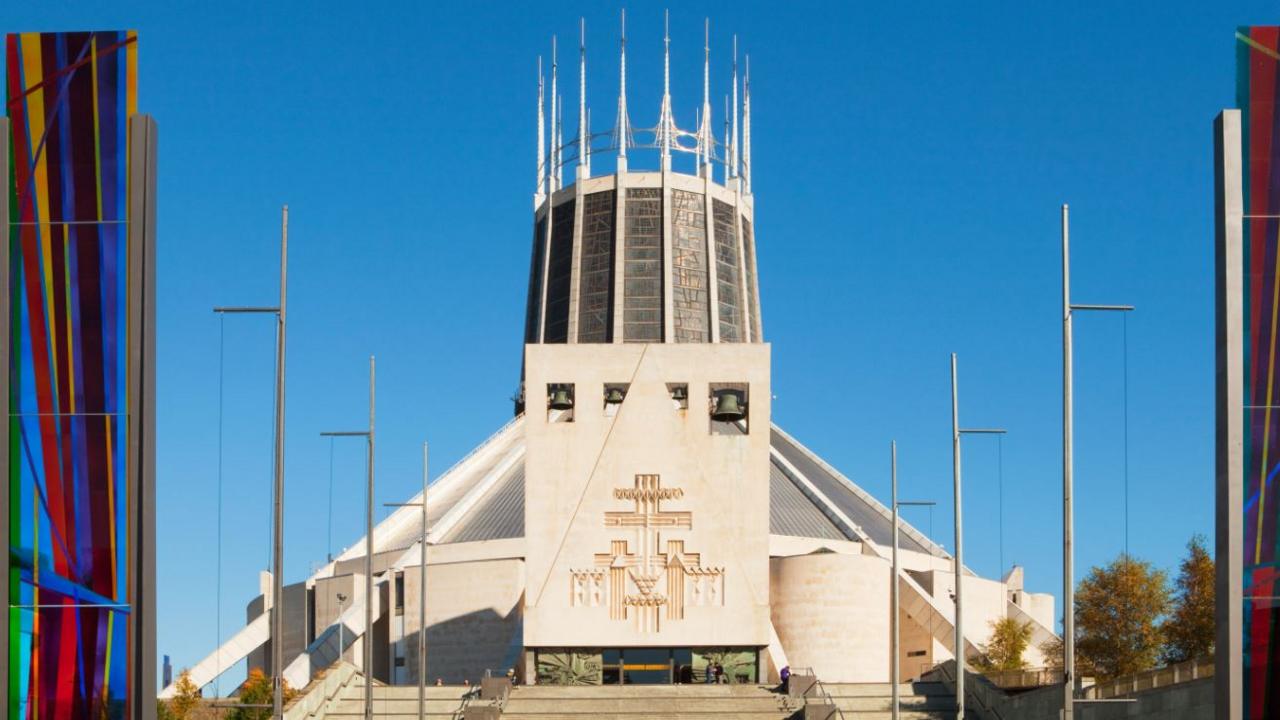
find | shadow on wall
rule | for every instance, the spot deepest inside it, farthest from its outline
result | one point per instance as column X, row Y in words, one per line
column 462, row 648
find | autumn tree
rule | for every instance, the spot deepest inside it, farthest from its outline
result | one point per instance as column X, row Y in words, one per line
column 1189, row 630
column 1118, row 612
column 185, row 700
column 258, row 690
column 1009, row 639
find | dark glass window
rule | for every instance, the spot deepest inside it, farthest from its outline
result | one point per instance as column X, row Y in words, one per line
column 559, row 273
column 595, row 293
column 533, row 306
column 753, row 305
column 642, row 286
column 728, row 273
column 689, row 285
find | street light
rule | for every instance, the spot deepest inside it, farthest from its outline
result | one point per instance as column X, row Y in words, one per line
column 1068, row 521
column 893, row 587
column 422, row 592
column 367, row 662
column 277, row 490
column 958, row 560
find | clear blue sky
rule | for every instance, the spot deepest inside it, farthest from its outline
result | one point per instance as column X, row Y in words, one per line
column 909, row 167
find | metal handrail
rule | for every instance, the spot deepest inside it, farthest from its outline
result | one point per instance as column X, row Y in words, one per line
column 817, row 683
column 946, row 670
column 1150, row 679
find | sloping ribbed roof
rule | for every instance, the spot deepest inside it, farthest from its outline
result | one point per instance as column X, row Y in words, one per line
column 874, row 519
column 792, row 513
column 498, row 516
column 499, row 512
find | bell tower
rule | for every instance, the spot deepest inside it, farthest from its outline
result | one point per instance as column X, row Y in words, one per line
column 646, row 394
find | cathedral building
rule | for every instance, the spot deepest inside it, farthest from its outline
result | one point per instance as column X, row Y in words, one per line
column 641, row 515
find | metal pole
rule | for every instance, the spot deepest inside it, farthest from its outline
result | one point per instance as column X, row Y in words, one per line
column 893, row 581
column 422, row 599
column 368, row 562
column 341, row 599
column 277, row 580
column 1068, row 571
column 958, row 560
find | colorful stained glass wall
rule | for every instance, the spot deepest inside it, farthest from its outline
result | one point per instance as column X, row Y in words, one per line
column 69, row 96
column 1257, row 87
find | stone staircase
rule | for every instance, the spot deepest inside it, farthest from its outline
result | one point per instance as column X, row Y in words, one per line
column 921, row 701
column 651, row 702
column 396, row 702
column 874, row 701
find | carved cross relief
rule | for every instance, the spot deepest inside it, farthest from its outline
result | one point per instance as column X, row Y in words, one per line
column 643, row 579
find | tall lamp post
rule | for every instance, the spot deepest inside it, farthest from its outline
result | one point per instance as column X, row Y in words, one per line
column 1068, row 520
column 422, row 591
column 367, row 662
column 893, row 586
column 958, row 560
column 277, row 490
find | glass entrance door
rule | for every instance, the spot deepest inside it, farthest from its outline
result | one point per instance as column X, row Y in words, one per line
column 646, row 666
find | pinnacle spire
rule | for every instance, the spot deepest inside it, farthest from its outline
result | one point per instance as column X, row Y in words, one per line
column 623, row 125
column 733, row 145
column 554, row 160
column 584, row 133
column 705, row 130
column 559, row 142
column 542, row 135
column 746, row 125
column 666, row 125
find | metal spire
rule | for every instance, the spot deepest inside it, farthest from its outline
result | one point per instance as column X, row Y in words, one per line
column 705, row 134
column 623, row 125
column 554, row 160
column 746, row 124
column 665, row 123
column 542, row 134
column 584, row 134
column 725, row 159
column 733, row 146
column 559, row 142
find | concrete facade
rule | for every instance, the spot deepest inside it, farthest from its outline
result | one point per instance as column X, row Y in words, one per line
column 473, row 619
column 680, row 562
column 830, row 613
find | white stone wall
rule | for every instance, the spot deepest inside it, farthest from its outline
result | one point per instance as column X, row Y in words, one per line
column 574, row 470
column 473, row 616
column 831, row 612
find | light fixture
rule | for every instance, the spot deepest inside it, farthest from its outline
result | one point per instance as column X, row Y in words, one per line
column 613, row 396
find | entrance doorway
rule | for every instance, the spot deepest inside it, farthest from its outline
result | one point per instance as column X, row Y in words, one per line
column 644, row 665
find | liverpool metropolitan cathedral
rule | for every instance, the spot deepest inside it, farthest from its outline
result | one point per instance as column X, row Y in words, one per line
column 641, row 513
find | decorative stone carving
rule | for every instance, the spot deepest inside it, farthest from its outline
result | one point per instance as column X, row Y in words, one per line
column 645, row 581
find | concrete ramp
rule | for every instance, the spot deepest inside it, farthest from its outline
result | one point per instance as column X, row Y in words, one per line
column 931, row 613
column 324, row 651
column 250, row 638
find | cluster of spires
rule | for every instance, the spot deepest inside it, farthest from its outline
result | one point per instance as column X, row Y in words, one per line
column 666, row 135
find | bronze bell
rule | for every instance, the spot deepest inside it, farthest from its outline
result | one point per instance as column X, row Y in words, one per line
column 727, row 408
column 613, row 396
column 679, row 393
column 560, row 400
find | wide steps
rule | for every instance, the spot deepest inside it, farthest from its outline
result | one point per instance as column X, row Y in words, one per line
column 857, row 701
column 579, row 692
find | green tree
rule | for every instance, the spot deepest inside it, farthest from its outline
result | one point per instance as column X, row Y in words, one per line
column 1009, row 639
column 1118, row 612
column 1190, row 628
